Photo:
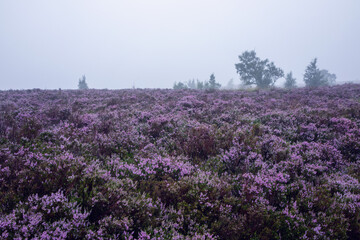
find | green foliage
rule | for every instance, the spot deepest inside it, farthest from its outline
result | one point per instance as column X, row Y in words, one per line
column 82, row 85
column 313, row 76
column 290, row 81
column 191, row 84
column 330, row 78
column 199, row 84
column 253, row 70
column 180, row 85
column 212, row 83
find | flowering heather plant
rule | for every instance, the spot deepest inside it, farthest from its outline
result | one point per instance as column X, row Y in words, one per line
column 47, row 217
column 180, row 164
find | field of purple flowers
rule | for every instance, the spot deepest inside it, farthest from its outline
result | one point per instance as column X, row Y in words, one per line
column 180, row 164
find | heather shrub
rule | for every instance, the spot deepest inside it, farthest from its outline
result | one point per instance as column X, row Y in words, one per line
column 48, row 217
column 184, row 164
column 273, row 149
column 32, row 172
column 200, row 143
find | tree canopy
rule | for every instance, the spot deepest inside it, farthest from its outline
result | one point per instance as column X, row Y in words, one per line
column 253, row 70
column 212, row 83
column 290, row 81
column 191, row 84
column 330, row 78
column 82, row 83
column 314, row 77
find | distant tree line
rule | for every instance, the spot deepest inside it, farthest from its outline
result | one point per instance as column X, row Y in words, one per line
column 263, row 74
column 192, row 84
column 254, row 71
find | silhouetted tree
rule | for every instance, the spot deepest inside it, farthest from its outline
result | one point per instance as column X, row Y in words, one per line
column 179, row 85
column 330, row 78
column 313, row 76
column 82, row 83
column 191, row 84
column 212, row 83
column 199, row 84
column 290, row 81
column 253, row 70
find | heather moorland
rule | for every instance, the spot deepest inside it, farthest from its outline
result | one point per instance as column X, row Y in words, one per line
column 180, row 164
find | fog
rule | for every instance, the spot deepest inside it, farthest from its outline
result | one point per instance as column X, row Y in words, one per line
column 151, row 44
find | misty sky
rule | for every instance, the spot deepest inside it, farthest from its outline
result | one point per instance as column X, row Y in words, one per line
column 153, row 43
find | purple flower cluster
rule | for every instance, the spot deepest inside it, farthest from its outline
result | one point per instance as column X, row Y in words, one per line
column 180, row 164
column 47, row 217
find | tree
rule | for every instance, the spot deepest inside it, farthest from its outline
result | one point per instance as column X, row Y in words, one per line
column 180, row 85
column 82, row 83
column 212, row 83
column 330, row 78
column 290, row 81
column 313, row 76
column 199, row 84
column 191, row 84
column 230, row 84
column 252, row 70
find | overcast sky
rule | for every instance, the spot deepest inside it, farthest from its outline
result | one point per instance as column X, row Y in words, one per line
column 153, row 43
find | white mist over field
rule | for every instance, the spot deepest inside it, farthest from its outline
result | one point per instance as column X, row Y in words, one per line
column 152, row 44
